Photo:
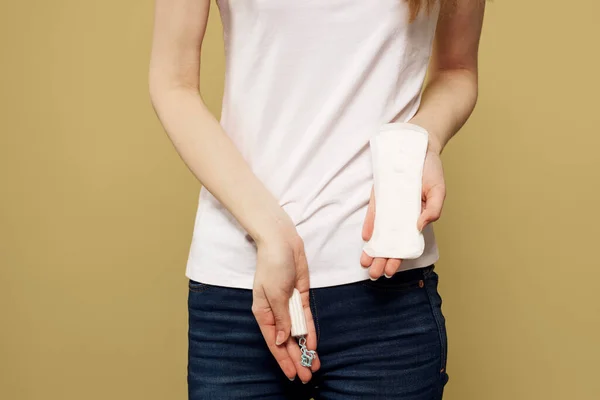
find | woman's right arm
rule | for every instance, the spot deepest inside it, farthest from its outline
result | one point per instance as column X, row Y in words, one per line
column 179, row 27
column 198, row 137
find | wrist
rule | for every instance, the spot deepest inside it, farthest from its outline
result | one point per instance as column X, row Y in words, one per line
column 276, row 229
column 434, row 144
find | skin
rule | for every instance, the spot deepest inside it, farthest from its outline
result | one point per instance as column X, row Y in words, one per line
column 179, row 27
column 448, row 100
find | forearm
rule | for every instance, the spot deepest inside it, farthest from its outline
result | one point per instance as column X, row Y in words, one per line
column 448, row 100
column 216, row 162
column 451, row 93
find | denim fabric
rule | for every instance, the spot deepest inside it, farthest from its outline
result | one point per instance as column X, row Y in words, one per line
column 383, row 339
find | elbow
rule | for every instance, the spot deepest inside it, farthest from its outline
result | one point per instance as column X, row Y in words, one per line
column 464, row 80
column 156, row 87
column 161, row 88
column 474, row 86
column 159, row 84
column 473, row 80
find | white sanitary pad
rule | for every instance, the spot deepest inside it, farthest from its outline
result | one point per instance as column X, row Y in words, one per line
column 398, row 153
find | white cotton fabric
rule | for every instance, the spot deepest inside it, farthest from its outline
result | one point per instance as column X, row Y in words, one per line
column 308, row 83
column 398, row 154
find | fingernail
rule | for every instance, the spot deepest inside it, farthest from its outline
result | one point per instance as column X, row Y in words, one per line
column 373, row 279
column 387, row 276
column 280, row 336
column 304, row 383
column 292, row 379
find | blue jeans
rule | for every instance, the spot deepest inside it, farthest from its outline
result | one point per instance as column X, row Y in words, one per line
column 383, row 339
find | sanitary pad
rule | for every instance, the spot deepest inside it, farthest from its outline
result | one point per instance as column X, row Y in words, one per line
column 398, row 153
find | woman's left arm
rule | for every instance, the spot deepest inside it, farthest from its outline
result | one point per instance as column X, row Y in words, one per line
column 447, row 102
column 451, row 91
column 450, row 94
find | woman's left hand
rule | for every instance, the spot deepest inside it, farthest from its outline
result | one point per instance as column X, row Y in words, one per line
column 434, row 194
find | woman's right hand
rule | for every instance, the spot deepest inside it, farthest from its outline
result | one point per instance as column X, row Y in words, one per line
column 281, row 267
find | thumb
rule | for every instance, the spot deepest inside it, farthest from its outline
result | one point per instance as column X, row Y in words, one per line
column 432, row 209
column 369, row 223
column 281, row 313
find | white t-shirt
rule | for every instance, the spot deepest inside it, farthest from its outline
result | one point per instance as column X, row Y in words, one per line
column 307, row 84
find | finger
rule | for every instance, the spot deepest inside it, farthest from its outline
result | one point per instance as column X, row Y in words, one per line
column 266, row 322
column 302, row 275
column 280, row 353
column 366, row 260
column 369, row 223
column 303, row 286
column 433, row 206
column 279, row 302
column 376, row 269
column 311, row 337
column 316, row 364
column 294, row 351
column 391, row 267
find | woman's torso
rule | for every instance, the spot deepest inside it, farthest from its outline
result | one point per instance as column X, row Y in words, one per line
column 307, row 84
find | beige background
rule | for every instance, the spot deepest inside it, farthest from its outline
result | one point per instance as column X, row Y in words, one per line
column 97, row 209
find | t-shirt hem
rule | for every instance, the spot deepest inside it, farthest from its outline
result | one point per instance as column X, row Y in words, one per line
column 317, row 280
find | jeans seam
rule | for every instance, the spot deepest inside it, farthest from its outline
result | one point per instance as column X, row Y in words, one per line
column 315, row 316
column 439, row 328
